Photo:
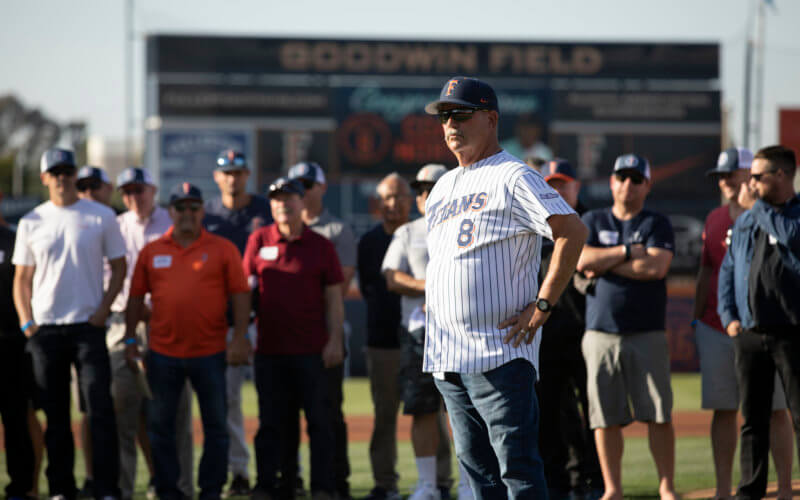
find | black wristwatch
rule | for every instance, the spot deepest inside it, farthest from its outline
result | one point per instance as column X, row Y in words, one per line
column 543, row 305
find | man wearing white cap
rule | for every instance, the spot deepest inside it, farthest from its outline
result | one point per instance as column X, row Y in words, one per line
column 720, row 390
column 404, row 268
column 62, row 307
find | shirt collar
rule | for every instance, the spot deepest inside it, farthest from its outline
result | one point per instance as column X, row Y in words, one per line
column 276, row 235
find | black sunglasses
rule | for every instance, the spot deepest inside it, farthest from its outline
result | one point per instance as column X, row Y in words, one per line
column 182, row 207
column 757, row 177
column 89, row 184
column 635, row 177
column 62, row 170
column 457, row 114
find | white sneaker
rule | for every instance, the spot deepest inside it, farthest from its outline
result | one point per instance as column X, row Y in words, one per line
column 426, row 492
column 464, row 491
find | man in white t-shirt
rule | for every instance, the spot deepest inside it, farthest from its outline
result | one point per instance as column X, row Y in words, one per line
column 58, row 293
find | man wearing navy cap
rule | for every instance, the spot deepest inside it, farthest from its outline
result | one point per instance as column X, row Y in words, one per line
column 484, row 302
column 299, row 318
column 63, row 308
column 720, row 391
column 570, row 458
column 235, row 214
column 322, row 222
column 191, row 276
column 628, row 252
column 93, row 184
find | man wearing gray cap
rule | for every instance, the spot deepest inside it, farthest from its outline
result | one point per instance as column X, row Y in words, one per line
column 62, row 307
column 404, row 269
column 628, row 251
column 720, row 391
column 93, row 184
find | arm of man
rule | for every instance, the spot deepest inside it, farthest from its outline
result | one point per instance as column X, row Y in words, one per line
column 726, row 297
column 701, row 291
column 333, row 352
column 596, row 261
column 134, row 312
column 569, row 236
column 349, row 272
column 403, row 283
column 23, row 293
column 118, row 268
column 240, row 350
column 653, row 265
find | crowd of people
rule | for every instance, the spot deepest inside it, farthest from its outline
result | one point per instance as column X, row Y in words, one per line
column 535, row 326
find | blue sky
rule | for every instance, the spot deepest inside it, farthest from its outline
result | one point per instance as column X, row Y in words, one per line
column 67, row 57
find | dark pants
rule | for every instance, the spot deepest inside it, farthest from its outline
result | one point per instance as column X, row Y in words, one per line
column 565, row 440
column 758, row 355
column 54, row 348
column 495, row 420
column 341, row 466
column 280, row 379
column 15, row 398
column 167, row 377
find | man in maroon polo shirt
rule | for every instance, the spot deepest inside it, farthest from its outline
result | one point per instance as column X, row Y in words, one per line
column 300, row 316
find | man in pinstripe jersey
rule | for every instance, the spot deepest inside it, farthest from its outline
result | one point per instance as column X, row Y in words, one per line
column 484, row 302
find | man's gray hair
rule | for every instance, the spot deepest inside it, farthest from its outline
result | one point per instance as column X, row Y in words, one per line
column 394, row 176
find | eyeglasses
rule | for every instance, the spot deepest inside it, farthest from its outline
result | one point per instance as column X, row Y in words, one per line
column 457, row 114
column 182, row 207
column 131, row 190
column 62, row 170
column 757, row 177
column 635, row 177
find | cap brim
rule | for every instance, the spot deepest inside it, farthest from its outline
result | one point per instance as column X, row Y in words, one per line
column 132, row 183
column 432, row 108
column 417, row 184
column 231, row 168
column 563, row 177
column 192, row 198
column 284, row 191
column 61, row 164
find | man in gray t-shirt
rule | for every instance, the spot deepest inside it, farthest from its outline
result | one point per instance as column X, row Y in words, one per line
column 322, row 222
column 404, row 267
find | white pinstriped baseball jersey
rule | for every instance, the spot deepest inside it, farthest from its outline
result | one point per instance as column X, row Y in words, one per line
column 485, row 228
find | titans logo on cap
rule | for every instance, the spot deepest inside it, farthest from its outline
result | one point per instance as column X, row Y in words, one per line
column 451, row 86
column 723, row 159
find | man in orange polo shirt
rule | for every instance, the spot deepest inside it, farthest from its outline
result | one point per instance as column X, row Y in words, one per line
column 190, row 275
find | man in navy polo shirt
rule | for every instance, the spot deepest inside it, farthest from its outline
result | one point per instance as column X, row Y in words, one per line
column 628, row 252
column 234, row 215
column 300, row 318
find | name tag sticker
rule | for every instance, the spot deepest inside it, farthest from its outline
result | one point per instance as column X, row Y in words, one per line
column 608, row 237
column 772, row 241
column 162, row 261
column 268, row 253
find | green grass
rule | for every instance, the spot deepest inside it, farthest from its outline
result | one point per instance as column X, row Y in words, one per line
column 694, row 468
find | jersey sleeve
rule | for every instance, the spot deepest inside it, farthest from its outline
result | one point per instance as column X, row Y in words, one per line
column 234, row 270
column 396, row 257
column 346, row 247
column 140, row 282
column 661, row 235
column 23, row 256
column 332, row 270
column 113, row 244
column 533, row 201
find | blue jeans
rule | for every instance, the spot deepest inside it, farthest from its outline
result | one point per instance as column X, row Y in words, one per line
column 53, row 349
column 495, row 420
column 167, row 377
column 280, row 381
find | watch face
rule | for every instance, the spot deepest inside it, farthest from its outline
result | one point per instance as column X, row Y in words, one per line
column 543, row 305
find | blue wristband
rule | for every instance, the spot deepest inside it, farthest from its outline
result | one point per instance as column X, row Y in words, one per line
column 694, row 322
column 130, row 341
column 27, row 325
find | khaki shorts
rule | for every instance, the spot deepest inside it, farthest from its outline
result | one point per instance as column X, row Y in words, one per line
column 627, row 372
column 720, row 391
